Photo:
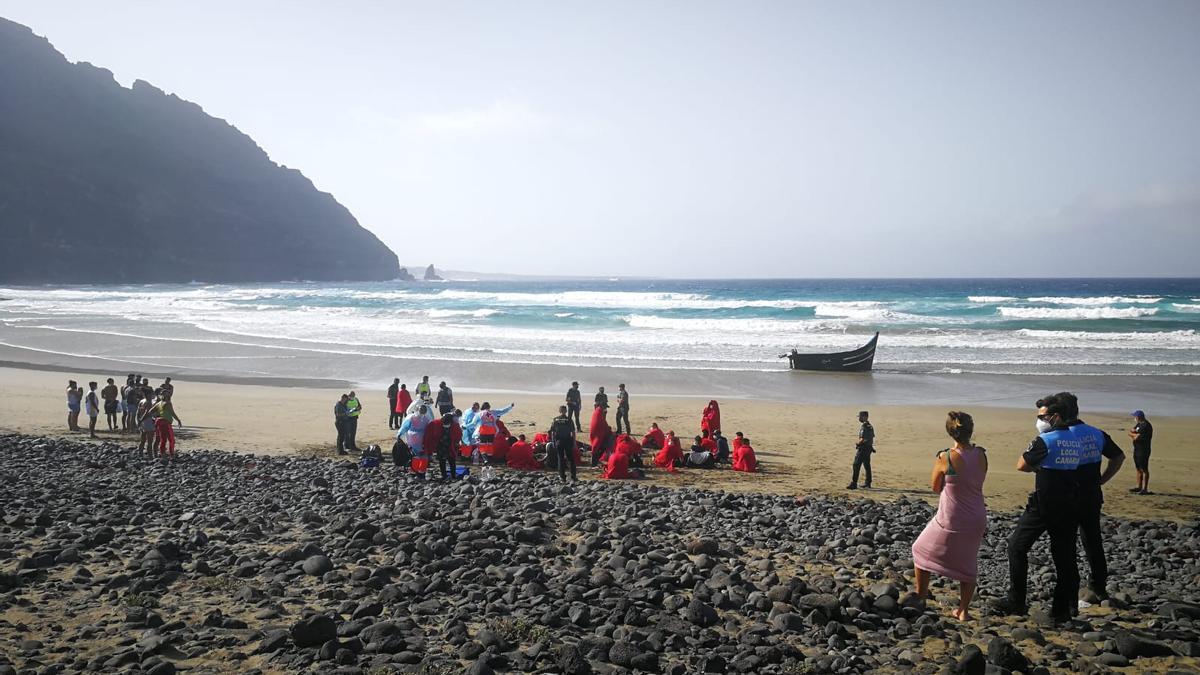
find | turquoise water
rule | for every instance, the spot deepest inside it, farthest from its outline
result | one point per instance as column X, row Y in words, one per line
column 1048, row 326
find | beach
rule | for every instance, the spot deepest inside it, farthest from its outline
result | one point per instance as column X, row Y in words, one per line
column 803, row 448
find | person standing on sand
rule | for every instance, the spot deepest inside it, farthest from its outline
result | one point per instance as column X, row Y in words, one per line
column 168, row 388
column 354, row 406
column 341, row 417
column 129, row 406
column 562, row 435
column 601, row 400
column 949, row 544
column 393, row 394
column 1053, row 507
column 423, row 391
column 444, row 437
column 164, row 414
column 445, row 399
column 1141, row 435
column 400, row 407
column 143, row 420
column 863, row 447
column 574, row 404
column 1096, row 445
column 623, row 409
column 74, row 401
column 92, row 404
column 110, row 393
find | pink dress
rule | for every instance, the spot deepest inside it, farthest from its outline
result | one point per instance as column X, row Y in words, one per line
column 949, row 545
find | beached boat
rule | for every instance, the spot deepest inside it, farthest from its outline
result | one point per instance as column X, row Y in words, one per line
column 854, row 361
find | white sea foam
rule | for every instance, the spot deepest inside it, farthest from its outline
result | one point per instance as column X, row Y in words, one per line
column 1099, row 301
column 1076, row 312
column 989, row 299
column 1183, row 307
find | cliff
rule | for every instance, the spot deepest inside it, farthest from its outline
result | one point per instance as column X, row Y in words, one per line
column 103, row 184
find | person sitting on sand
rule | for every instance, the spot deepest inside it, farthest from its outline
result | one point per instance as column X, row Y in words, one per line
column 654, row 438
column 671, row 455
column 631, row 448
column 744, row 458
column 443, row 437
column 700, row 457
column 520, row 456
column 617, row 467
column 722, row 444
column 707, row 442
column 949, row 544
column 74, row 401
column 738, row 439
column 502, row 445
column 599, row 434
column 164, row 414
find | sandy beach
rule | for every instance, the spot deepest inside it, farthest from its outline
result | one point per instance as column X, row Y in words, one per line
column 803, row 449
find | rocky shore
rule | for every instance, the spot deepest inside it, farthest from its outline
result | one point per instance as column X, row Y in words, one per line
column 226, row 562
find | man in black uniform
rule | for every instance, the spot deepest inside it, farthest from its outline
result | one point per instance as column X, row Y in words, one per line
column 562, row 435
column 862, row 451
column 623, row 409
column 1091, row 494
column 445, row 399
column 574, row 404
column 601, row 400
column 1141, row 434
column 393, row 393
column 1053, row 507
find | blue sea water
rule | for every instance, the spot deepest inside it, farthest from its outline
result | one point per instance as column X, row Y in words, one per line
column 1007, row 326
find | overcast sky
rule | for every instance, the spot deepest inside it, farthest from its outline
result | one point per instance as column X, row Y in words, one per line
column 695, row 139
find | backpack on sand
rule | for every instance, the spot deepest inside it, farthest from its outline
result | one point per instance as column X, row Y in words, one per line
column 401, row 454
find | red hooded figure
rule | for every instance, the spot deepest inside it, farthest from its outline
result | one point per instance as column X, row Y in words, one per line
column 520, row 456
column 403, row 400
column 599, row 432
column 501, row 447
column 672, row 451
column 433, row 436
column 618, row 464
column 654, row 438
column 709, row 444
column 744, row 459
column 710, row 421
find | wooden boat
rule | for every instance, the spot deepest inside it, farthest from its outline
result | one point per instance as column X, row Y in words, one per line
column 854, row 361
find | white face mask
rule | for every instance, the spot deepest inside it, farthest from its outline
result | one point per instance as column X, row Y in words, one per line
column 1043, row 426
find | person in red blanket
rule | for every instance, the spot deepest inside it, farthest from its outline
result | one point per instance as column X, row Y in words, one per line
column 502, row 444
column 744, row 459
column 711, row 419
column 444, row 437
column 671, row 455
column 600, row 434
column 520, row 456
column 630, row 447
column 707, row 442
column 738, row 440
column 403, row 400
column 654, row 438
column 618, row 463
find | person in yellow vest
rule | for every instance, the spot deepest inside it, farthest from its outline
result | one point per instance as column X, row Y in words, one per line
column 423, row 390
column 354, row 408
column 487, row 427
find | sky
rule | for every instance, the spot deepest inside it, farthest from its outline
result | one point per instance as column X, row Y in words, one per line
column 705, row 139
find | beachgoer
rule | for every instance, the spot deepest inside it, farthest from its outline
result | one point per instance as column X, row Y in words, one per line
column 710, row 419
column 445, row 399
column 164, row 414
column 654, row 438
column 341, row 413
column 92, row 406
column 623, row 409
column 74, row 401
column 354, row 406
column 671, row 455
column 863, row 448
column 699, row 457
column 1141, row 434
column 110, row 394
column 444, row 437
column 168, row 387
column 949, row 544
column 599, row 434
column 562, row 436
column 574, row 404
column 744, row 458
column 129, row 406
column 1096, row 445
column 601, row 399
column 423, row 390
column 144, row 421
column 487, row 428
column 393, row 395
column 520, row 456
column 1052, row 508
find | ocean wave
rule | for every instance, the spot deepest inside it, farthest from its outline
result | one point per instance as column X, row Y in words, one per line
column 1183, row 307
column 989, row 299
column 1099, row 301
column 1077, row 312
column 453, row 313
column 730, row 325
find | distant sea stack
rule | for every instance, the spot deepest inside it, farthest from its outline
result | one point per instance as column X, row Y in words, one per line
column 102, row 184
column 431, row 274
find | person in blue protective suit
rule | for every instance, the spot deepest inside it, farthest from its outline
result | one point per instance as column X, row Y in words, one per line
column 412, row 429
column 470, row 427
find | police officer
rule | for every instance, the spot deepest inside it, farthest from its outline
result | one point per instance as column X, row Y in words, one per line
column 1097, row 445
column 1053, row 506
column 862, row 451
column 354, row 409
column 562, row 435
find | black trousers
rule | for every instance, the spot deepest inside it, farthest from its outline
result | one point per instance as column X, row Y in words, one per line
column 1093, row 546
column 1061, row 521
column 393, row 416
column 862, row 460
column 340, row 426
column 623, row 414
column 351, row 433
column 573, row 413
column 565, row 450
column 447, row 456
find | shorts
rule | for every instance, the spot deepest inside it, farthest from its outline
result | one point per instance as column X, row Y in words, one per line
column 110, row 407
column 148, row 425
column 73, row 407
column 1141, row 459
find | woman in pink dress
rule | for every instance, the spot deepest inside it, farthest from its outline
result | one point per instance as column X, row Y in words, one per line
column 949, row 545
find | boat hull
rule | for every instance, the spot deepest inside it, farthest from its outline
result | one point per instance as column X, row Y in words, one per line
column 854, row 361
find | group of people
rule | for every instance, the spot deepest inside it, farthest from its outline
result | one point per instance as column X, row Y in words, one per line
column 1066, row 457
column 135, row 407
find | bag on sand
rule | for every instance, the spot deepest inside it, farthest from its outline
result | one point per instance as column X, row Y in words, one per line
column 401, row 454
column 371, row 456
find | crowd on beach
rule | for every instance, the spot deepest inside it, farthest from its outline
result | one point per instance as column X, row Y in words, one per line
column 136, row 407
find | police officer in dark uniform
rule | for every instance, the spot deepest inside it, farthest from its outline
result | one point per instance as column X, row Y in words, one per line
column 862, row 451
column 1091, row 493
column 562, row 436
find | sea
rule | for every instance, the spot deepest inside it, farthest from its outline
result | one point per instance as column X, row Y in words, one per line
column 1128, row 327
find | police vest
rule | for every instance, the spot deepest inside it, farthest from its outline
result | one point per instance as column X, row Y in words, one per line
column 1066, row 448
column 354, row 406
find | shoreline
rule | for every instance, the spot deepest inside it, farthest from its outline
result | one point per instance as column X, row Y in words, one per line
column 803, row 448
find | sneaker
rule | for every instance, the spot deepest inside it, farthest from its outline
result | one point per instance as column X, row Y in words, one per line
column 1145, row 492
column 866, row 486
column 852, row 486
column 1006, row 607
column 1135, row 490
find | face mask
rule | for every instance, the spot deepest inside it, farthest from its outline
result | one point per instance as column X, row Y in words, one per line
column 1043, row 426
